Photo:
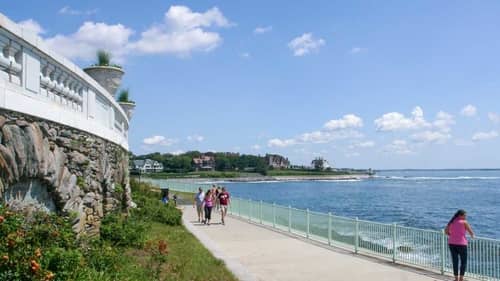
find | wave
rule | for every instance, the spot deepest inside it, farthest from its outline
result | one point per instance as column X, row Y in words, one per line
column 340, row 180
column 436, row 178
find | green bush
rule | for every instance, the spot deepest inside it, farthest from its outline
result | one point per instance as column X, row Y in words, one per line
column 153, row 210
column 36, row 247
column 62, row 261
column 122, row 230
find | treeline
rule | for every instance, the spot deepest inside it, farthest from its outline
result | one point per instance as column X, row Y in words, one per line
column 224, row 161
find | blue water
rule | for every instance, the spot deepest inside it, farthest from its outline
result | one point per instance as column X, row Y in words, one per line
column 417, row 198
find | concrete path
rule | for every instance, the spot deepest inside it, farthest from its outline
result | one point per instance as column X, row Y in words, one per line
column 253, row 252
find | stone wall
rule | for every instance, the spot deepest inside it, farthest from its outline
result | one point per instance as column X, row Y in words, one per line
column 51, row 167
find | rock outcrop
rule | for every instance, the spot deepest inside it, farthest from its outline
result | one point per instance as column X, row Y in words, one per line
column 50, row 167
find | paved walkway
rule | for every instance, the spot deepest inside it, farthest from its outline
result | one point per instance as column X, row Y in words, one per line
column 253, row 252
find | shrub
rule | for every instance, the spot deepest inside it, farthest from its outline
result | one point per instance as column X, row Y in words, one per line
column 123, row 96
column 103, row 58
column 123, row 231
column 152, row 209
column 36, row 246
column 62, row 261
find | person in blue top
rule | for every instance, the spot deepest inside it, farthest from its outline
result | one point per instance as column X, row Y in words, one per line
column 164, row 196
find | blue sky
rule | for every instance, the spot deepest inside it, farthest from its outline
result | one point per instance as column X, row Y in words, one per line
column 393, row 84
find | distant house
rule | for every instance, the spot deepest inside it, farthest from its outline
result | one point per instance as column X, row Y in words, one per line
column 320, row 164
column 277, row 161
column 146, row 166
column 204, row 163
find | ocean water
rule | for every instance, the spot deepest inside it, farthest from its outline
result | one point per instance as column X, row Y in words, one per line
column 416, row 198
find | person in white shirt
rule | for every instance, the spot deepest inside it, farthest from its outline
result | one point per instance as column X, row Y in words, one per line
column 198, row 203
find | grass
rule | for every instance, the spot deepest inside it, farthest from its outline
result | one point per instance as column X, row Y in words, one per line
column 187, row 258
column 305, row 173
column 236, row 174
column 204, row 174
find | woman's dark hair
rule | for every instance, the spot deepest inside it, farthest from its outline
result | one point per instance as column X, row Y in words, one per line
column 456, row 215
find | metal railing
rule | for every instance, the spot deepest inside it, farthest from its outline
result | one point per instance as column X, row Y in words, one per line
column 406, row 245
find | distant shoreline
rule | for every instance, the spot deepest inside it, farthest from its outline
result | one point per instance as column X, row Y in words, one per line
column 273, row 178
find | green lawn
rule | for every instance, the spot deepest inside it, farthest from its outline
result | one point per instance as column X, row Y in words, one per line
column 205, row 174
column 236, row 174
column 304, row 173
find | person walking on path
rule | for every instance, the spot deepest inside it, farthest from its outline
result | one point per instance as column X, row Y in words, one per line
column 457, row 241
column 217, row 202
column 198, row 203
column 208, row 204
column 224, row 200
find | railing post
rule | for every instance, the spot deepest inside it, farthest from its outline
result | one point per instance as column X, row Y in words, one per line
column 260, row 211
column 329, row 228
column 443, row 244
column 394, row 242
column 307, row 222
column 239, row 207
column 250, row 209
column 289, row 218
column 274, row 215
column 356, row 235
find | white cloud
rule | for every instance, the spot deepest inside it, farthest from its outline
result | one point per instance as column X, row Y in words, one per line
column 344, row 128
column 431, row 137
column 395, row 121
column 399, row 147
column 159, row 140
column 357, row 50
column 480, row 136
column 469, row 110
column 91, row 36
column 67, row 10
column 261, row 30
column 327, row 136
column 444, row 121
column 315, row 137
column 195, row 138
column 346, row 122
column 305, row 44
column 245, row 55
column 494, row 117
column 280, row 143
column 365, row 144
column 32, row 25
column 182, row 32
column 256, row 147
column 177, row 152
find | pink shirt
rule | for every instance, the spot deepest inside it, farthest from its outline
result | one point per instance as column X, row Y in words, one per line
column 457, row 233
column 208, row 201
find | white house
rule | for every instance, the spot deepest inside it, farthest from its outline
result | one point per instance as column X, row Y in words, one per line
column 147, row 166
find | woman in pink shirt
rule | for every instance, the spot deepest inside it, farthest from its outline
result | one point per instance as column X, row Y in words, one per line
column 456, row 230
column 208, row 204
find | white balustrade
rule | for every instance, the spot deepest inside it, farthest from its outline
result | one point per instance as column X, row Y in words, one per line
column 36, row 81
